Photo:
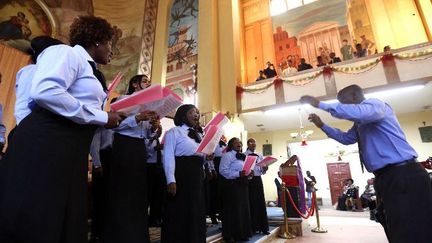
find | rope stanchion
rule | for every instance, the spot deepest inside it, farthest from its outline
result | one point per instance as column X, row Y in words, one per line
column 310, row 212
column 285, row 233
column 318, row 229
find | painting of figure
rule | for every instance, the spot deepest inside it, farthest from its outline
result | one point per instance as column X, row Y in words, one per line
column 21, row 20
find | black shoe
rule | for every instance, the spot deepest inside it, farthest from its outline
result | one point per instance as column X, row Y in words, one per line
column 265, row 232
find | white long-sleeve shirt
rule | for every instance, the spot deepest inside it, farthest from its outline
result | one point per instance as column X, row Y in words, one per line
column 177, row 143
column 64, row 84
column 22, row 88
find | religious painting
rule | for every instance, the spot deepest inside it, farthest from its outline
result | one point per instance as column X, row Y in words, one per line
column 21, row 20
column 315, row 30
column 128, row 24
column 183, row 48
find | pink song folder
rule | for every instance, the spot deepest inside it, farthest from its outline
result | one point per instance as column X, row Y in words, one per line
column 219, row 120
column 155, row 98
column 268, row 160
column 210, row 141
column 249, row 164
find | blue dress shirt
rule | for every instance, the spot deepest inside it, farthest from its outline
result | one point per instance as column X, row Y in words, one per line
column 258, row 171
column 64, row 84
column 177, row 143
column 22, row 88
column 230, row 166
column 382, row 139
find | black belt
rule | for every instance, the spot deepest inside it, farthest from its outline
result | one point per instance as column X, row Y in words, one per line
column 390, row 166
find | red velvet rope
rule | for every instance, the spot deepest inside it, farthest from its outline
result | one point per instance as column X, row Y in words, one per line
column 310, row 212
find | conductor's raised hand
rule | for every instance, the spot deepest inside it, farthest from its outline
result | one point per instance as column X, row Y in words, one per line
column 307, row 99
column 315, row 119
column 114, row 119
column 172, row 189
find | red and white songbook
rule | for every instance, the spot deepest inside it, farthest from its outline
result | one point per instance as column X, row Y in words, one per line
column 117, row 79
column 210, row 141
column 268, row 160
column 154, row 98
column 249, row 164
column 219, row 120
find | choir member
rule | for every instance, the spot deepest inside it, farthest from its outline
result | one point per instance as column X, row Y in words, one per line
column 184, row 216
column 214, row 184
column 256, row 193
column 43, row 181
column 155, row 175
column 127, row 204
column 236, row 221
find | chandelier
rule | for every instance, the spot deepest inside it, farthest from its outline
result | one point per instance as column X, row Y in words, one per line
column 303, row 134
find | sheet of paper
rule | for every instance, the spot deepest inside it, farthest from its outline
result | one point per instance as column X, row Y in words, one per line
column 268, row 160
column 219, row 120
column 210, row 141
column 249, row 164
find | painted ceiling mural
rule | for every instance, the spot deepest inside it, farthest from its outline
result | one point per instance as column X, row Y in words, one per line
column 183, row 49
column 21, row 20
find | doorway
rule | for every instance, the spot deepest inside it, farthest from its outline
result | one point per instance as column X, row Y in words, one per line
column 337, row 173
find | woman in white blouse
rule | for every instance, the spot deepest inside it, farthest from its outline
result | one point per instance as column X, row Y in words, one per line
column 236, row 221
column 184, row 216
column 43, row 183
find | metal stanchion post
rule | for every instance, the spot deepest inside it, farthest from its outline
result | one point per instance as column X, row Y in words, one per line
column 318, row 229
column 285, row 234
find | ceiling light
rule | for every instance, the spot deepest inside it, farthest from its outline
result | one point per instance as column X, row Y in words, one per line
column 396, row 91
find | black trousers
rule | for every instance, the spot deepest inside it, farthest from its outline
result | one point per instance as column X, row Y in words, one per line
column 156, row 182
column 184, row 217
column 43, row 183
column 404, row 195
column 126, row 207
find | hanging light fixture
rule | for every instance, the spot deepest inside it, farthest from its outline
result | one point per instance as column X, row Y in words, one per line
column 304, row 135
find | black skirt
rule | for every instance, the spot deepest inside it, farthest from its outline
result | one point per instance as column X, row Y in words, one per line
column 215, row 191
column 44, row 181
column 184, row 216
column 258, row 209
column 236, row 222
column 126, row 210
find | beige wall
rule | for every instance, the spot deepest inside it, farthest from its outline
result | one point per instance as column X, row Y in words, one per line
column 396, row 23
column 315, row 156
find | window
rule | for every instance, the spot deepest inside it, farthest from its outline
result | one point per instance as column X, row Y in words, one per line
column 179, row 65
column 281, row 6
column 280, row 48
column 287, row 46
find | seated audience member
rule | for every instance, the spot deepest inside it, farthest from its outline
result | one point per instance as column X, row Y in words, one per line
column 351, row 192
column 320, row 61
column 261, row 76
column 289, row 70
column 368, row 198
column 270, row 71
column 334, row 58
column 303, row 65
column 360, row 52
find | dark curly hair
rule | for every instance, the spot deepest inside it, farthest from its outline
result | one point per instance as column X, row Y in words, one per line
column 89, row 30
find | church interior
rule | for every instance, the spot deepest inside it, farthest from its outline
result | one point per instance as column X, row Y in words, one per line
column 252, row 61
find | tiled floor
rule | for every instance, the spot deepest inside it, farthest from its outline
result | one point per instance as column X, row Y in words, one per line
column 342, row 227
